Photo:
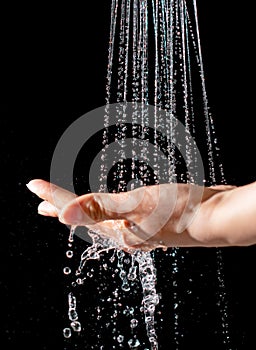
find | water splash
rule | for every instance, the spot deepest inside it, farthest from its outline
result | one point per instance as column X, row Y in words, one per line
column 140, row 266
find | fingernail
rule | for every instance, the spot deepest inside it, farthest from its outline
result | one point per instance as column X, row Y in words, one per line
column 32, row 186
column 44, row 213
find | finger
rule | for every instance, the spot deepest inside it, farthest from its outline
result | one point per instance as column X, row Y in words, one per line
column 96, row 207
column 47, row 209
column 222, row 187
column 86, row 210
column 53, row 194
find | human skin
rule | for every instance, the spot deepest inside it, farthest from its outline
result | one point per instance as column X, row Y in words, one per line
column 166, row 215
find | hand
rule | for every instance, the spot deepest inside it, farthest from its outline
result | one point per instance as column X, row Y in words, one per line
column 167, row 215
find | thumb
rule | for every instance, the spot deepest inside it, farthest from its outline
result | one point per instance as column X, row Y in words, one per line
column 93, row 208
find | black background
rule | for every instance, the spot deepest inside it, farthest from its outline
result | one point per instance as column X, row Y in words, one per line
column 53, row 71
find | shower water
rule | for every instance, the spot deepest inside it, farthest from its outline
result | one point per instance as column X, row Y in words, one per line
column 154, row 58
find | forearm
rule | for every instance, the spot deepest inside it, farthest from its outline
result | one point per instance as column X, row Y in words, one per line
column 233, row 221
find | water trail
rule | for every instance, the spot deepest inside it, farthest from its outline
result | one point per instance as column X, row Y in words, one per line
column 154, row 57
column 212, row 144
column 147, row 274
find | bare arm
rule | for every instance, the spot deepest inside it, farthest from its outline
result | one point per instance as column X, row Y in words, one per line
column 159, row 216
column 227, row 218
column 233, row 219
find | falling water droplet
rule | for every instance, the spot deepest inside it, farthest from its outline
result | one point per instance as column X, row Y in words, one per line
column 120, row 338
column 67, row 270
column 133, row 343
column 76, row 326
column 69, row 253
column 134, row 323
column 67, row 332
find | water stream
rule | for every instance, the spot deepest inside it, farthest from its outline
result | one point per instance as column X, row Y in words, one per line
column 154, row 58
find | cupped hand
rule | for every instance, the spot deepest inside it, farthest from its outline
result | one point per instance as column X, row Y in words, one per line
column 146, row 218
